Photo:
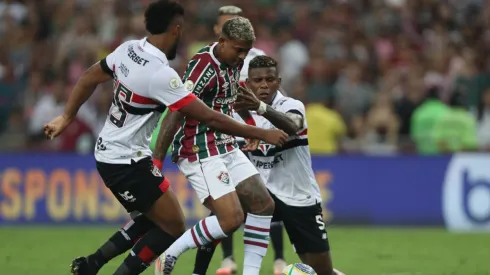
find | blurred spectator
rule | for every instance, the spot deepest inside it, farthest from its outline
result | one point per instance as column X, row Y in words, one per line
column 424, row 120
column 455, row 130
column 325, row 128
column 483, row 121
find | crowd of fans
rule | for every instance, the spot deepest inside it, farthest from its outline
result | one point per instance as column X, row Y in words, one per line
column 377, row 76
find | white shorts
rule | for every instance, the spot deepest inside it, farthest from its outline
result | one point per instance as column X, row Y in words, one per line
column 217, row 176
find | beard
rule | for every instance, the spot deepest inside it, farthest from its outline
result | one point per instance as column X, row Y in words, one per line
column 172, row 53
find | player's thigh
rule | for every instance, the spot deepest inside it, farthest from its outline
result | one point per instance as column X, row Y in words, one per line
column 239, row 166
column 209, row 177
column 306, row 229
column 252, row 192
column 141, row 187
column 167, row 214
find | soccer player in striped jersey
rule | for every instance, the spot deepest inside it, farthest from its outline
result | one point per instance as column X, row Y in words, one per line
column 286, row 170
column 228, row 265
column 220, row 173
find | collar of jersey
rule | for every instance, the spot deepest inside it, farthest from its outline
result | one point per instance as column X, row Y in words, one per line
column 211, row 52
column 277, row 98
column 149, row 48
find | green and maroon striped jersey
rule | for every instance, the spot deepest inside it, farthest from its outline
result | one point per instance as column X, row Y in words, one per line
column 216, row 85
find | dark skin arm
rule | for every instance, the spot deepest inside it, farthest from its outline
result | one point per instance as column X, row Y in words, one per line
column 201, row 112
column 82, row 91
column 288, row 122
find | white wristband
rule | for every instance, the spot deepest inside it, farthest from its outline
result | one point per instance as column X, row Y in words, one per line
column 262, row 108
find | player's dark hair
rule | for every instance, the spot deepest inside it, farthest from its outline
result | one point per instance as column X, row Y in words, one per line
column 160, row 14
column 262, row 61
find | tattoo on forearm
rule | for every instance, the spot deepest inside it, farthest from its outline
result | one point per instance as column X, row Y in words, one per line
column 254, row 196
column 282, row 121
column 166, row 134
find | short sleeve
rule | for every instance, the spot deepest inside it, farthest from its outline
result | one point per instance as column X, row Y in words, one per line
column 200, row 76
column 108, row 63
column 167, row 88
column 290, row 105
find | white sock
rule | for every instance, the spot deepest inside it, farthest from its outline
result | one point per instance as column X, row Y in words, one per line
column 256, row 240
column 204, row 232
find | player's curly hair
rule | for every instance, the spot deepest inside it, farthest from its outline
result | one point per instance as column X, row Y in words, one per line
column 262, row 61
column 238, row 28
column 160, row 14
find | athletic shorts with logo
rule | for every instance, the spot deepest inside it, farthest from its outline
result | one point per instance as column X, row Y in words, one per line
column 217, row 176
column 137, row 186
column 304, row 225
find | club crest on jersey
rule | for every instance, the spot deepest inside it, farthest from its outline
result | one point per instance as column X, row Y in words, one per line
column 195, row 148
column 155, row 171
column 264, row 148
column 224, row 177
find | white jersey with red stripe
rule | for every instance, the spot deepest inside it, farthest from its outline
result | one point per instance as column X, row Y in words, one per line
column 287, row 170
column 251, row 54
column 144, row 86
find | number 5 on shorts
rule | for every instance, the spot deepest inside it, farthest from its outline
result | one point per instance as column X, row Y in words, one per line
column 321, row 225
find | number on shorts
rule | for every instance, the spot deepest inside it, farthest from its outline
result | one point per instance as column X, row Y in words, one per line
column 120, row 93
column 319, row 221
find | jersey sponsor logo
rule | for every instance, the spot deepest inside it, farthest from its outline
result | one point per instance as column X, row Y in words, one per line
column 224, row 177
column 127, row 196
column 268, row 164
column 466, row 193
column 124, row 70
column 174, row 83
column 204, row 79
column 226, row 100
column 189, row 85
column 224, row 139
column 135, row 57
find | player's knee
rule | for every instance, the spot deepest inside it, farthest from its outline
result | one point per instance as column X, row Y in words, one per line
column 265, row 207
column 231, row 221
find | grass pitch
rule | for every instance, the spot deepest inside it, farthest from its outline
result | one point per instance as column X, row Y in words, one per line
column 356, row 251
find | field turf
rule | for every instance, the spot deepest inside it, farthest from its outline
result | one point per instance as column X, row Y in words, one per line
column 356, row 251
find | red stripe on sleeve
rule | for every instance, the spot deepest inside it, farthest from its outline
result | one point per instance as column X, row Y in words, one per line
column 182, row 102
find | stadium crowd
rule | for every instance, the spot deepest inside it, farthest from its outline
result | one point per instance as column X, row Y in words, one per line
column 378, row 76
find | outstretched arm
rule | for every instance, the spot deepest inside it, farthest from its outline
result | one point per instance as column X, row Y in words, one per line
column 290, row 122
column 166, row 135
column 85, row 87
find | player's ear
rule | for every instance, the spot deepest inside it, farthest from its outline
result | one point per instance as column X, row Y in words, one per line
column 221, row 40
column 279, row 80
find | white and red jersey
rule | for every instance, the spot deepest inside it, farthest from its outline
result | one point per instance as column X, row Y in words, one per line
column 144, row 86
column 287, row 170
column 251, row 54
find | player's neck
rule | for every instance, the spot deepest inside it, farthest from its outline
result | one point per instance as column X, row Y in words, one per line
column 158, row 42
column 216, row 54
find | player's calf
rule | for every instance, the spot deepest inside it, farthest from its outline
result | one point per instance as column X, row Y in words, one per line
column 155, row 242
column 259, row 206
column 320, row 262
column 117, row 244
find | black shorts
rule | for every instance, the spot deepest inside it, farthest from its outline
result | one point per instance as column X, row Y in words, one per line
column 304, row 226
column 137, row 186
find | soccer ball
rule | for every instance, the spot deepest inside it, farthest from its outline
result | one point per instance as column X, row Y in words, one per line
column 298, row 269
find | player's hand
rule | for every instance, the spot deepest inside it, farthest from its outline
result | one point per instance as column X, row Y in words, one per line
column 56, row 126
column 158, row 163
column 246, row 100
column 275, row 137
column 251, row 145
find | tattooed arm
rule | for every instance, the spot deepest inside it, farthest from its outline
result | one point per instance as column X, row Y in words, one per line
column 290, row 122
column 166, row 135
